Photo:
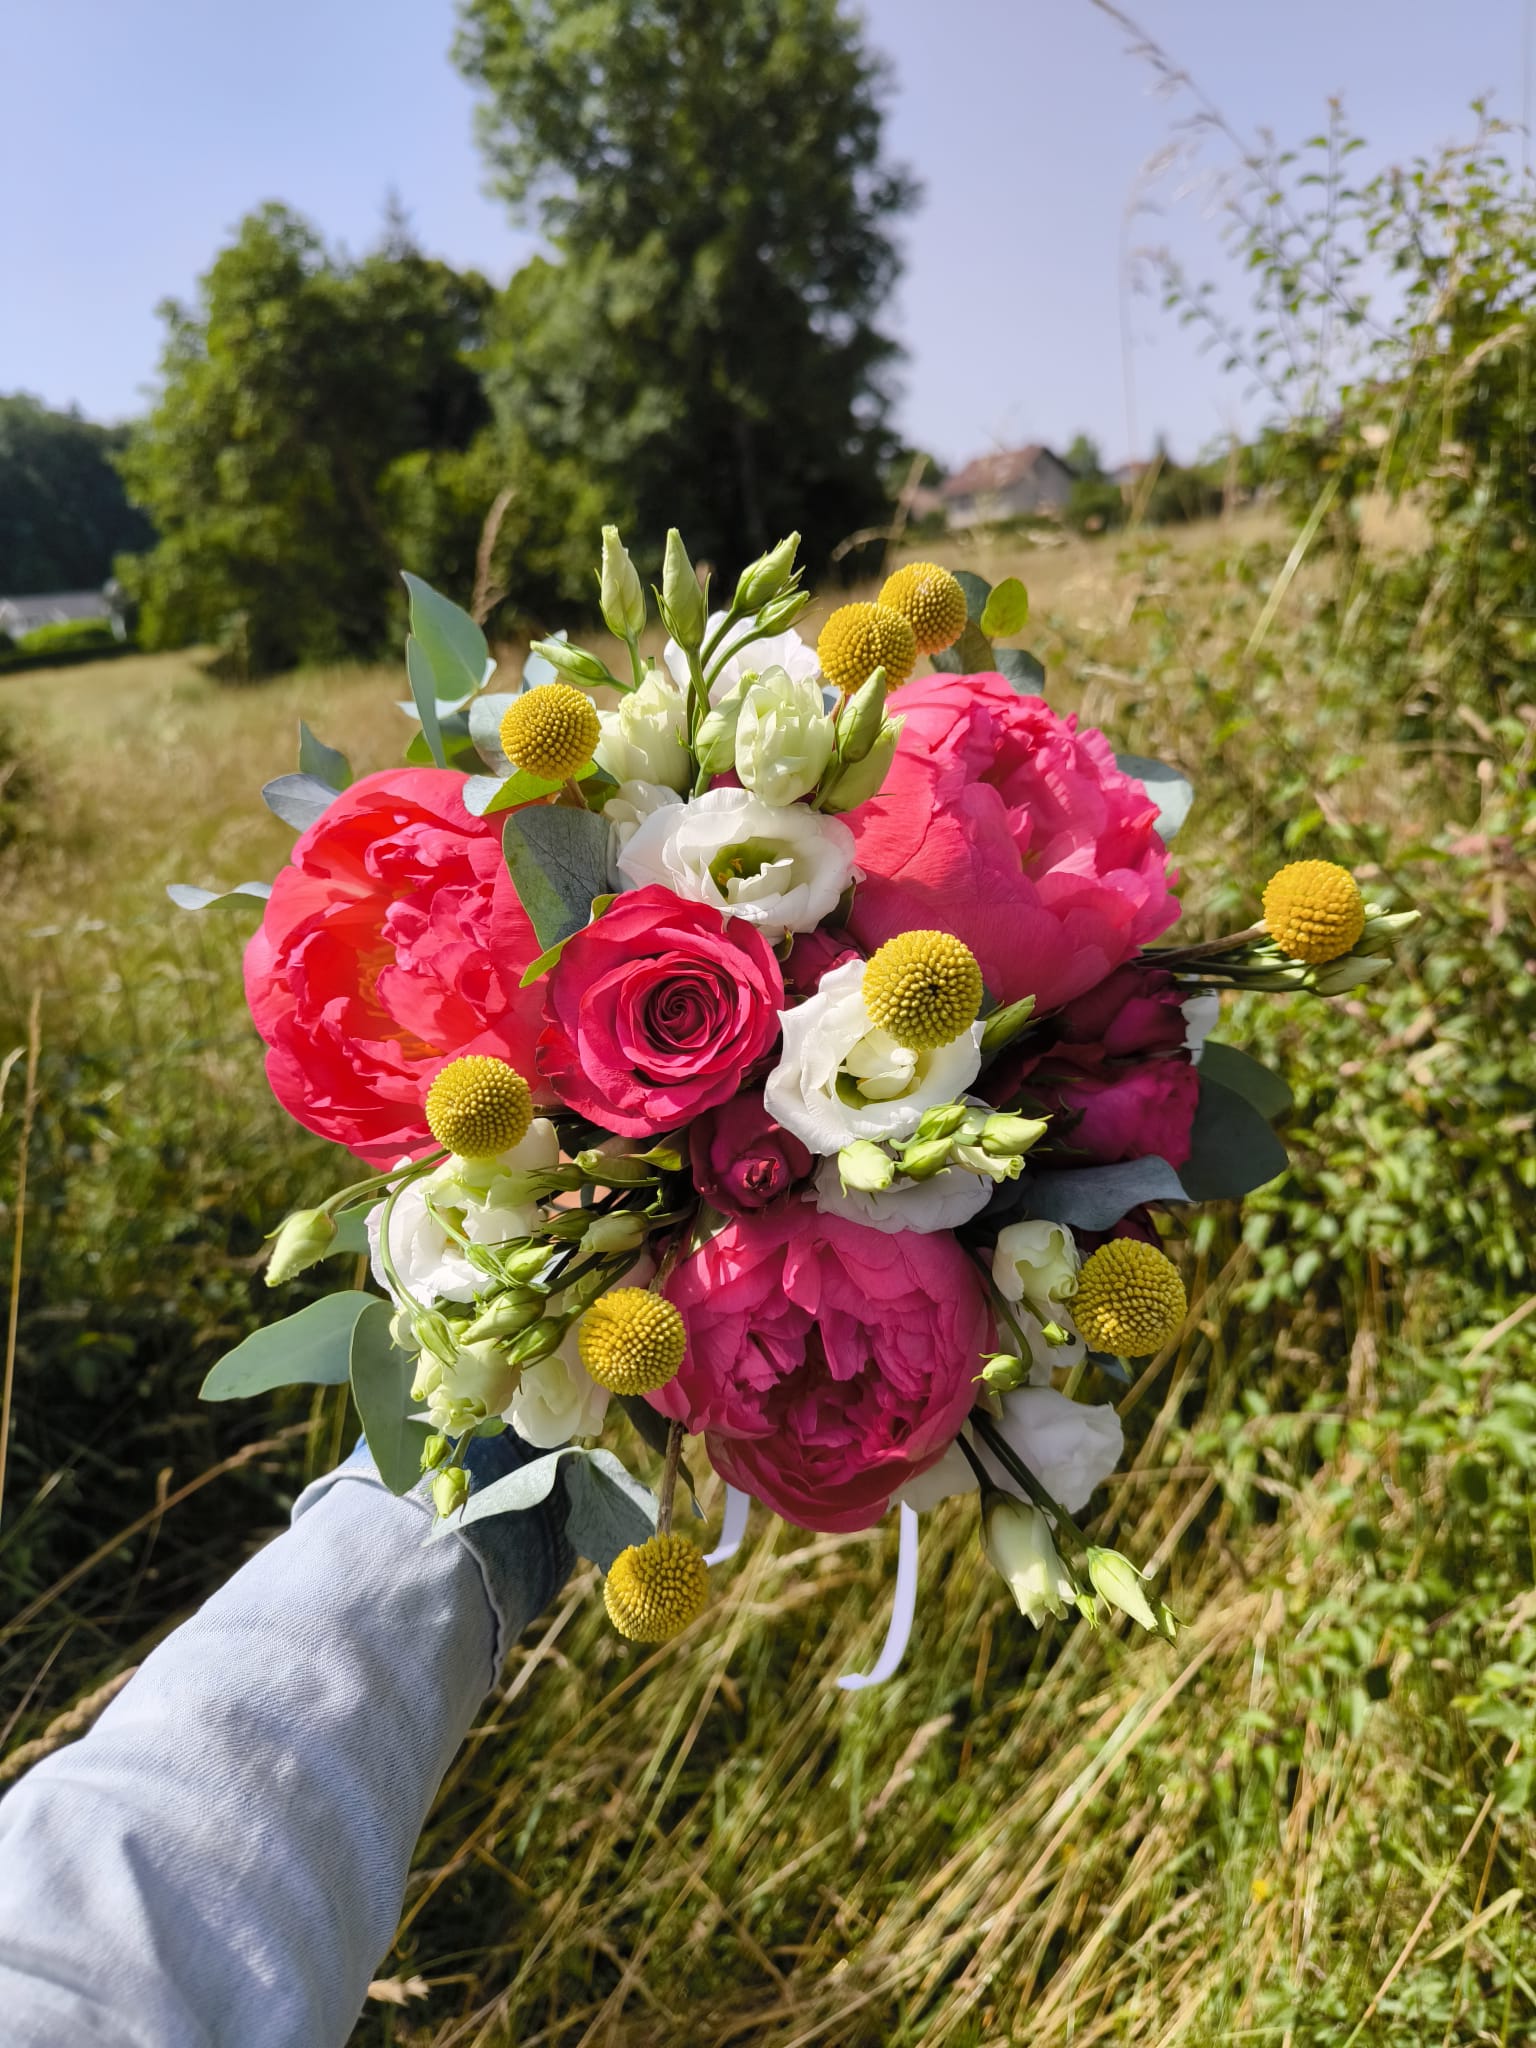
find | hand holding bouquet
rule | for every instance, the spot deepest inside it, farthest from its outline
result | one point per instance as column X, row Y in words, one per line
column 779, row 1055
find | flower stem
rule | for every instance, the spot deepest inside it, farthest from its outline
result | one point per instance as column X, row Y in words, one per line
column 669, row 1479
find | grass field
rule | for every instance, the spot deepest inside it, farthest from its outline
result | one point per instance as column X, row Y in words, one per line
column 1308, row 1822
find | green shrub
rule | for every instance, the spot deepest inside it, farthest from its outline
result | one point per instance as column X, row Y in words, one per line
column 71, row 636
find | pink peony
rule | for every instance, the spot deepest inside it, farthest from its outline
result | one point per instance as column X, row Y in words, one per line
column 1003, row 823
column 657, row 1011
column 827, row 1363
column 391, row 943
column 742, row 1160
column 1129, row 1114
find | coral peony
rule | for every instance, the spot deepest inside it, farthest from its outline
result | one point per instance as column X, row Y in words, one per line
column 1003, row 823
column 827, row 1364
column 657, row 1011
column 391, row 943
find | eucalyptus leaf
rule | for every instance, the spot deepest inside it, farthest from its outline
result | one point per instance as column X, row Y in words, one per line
column 456, row 744
column 1098, row 1197
column 971, row 655
column 381, row 1386
column 609, row 1508
column 558, row 860
column 485, row 795
column 418, row 669
column 1006, row 610
column 512, row 1494
column 187, row 895
column 452, row 644
column 485, row 716
column 1021, row 668
column 1232, row 1149
column 310, row 1349
column 324, row 763
column 1245, row 1076
column 1171, row 791
column 977, row 590
column 298, row 799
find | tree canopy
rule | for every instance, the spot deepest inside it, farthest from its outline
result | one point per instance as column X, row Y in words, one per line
column 712, row 184
column 64, row 513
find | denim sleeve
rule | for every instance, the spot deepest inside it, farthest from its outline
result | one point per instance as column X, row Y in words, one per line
column 220, row 1862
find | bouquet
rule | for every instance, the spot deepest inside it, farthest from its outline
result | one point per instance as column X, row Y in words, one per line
column 768, row 1045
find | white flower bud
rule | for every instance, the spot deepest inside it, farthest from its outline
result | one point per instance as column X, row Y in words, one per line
column 865, row 1166
column 571, row 661
column 1018, row 1543
column 714, row 744
column 450, row 1490
column 861, row 719
column 621, row 594
column 784, row 737
column 1118, row 1584
column 683, row 608
column 644, row 739
column 300, row 1242
column 765, row 578
column 855, row 782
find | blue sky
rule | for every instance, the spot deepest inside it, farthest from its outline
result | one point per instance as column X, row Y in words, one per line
column 134, row 136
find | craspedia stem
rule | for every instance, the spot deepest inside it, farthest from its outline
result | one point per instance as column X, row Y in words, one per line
column 669, row 1471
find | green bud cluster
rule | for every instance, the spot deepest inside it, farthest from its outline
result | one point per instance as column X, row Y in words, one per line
column 865, row 746
column 990, row 1142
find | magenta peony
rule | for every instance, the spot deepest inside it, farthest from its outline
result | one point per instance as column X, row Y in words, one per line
column 741, row 1159
column 657, row 1011
column 391, row 943
column 827, row 1364
column 1004, row 824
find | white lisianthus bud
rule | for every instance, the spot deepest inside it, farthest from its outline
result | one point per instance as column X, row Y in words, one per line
column 621, row 594
column 624, row 1232
column 865, row 1166
column 625, row 811
column 1036, row 1263
column 784, row 737
column 714, row 743
column 1004, row 1135
column 855, row 782
column 682, row 600
column 644, row 739
column 860, row 722
column 450, row 1490
column 300, row 1242
column 1019, row 1544
column 1340, row 976
column 571, row 661
column 480, row 1381
column 1003, row 1372
column 1119, row 1585
column 765, row 578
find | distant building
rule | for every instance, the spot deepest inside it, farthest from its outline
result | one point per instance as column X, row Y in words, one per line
column 22, row 615
column 1004, row 486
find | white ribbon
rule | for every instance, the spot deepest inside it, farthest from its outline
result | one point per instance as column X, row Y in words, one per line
column 733, row 1526
column 903, row 1611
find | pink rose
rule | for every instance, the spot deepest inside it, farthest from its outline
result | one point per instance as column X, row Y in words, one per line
column 813, row 954
column 378, row 960
column 827, row 1363
column 742, row 1160
column 1002, row 823
column 657, row 1011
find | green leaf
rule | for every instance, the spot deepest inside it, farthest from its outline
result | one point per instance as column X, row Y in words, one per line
column 609, row 1508
column 381, row 1386
column 452, row 645
column 298, row 799
column 1022, row 669
column 558, row 861
column 485, row 795
column 453, row 731
column 424, row 696
column 512, row 1494
column 1097, row 1197
column 1245, row 1076
column 550, row 957
column 1006, row 610
column 1171, row 791
column 324, row 763
column 187, row 895
column 310, row 1349
column 485, row 716
column 1232, row 1148
column 977, row 590
column 971, row 655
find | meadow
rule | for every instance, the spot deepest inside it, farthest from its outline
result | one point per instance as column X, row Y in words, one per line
column 1307, row 1822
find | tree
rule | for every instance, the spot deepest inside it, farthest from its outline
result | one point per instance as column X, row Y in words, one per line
column 288, row 392
column 64, row 513
column 712, row 184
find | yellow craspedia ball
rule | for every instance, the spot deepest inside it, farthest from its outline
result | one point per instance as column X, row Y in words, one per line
column 631, row 1341
column 1129, row 1300
column 654, row 1589
column 551, row 731
column 931, row 602
column 924, row 988
column 479, row 1107
column 1314, row 910
column 858, row 639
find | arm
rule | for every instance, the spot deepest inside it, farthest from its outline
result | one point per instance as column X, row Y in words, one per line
column 222, row 1859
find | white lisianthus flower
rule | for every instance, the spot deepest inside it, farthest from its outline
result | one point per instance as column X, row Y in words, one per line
column 479, row 1383
column 557, row 1398
column 1036, row 1263
column 1019, row 1544
column 646, row 738
column 784, row 737
column 943, row 1201
column 488, row 1199
column 782, row 869
column 1201, row 1014
column 775, row 650
column 1069, row 1446
column 839, row 1079
column 628, row 807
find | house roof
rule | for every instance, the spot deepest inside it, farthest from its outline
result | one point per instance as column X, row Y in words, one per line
column 20, row 615
column 988, row 473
